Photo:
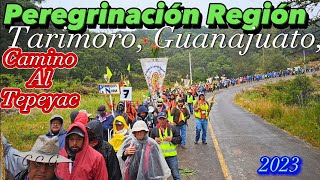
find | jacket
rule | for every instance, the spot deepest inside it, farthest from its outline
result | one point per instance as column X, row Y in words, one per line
column 176, row 115
column 201, row 109
column 82, row 117
column 147, row 163
column 146, row 119
column 61, row 135
column 106, row 123
column 14, row 164
column 106, row 150
column 176, row 138
column 118, row 137
column 88, row 163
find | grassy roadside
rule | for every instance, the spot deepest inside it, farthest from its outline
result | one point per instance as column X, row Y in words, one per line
column 272, row 102
column 22, row 130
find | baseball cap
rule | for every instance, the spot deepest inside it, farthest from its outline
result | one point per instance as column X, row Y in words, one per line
column 162, row 115
column 102, row 108
column 76, row 130
column 160, row 100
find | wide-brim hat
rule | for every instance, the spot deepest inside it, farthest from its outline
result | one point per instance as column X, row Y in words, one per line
column 140, row 126
column 44, row 150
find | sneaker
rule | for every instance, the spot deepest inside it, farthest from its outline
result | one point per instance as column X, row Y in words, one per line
column 196, row 142
column 183, row 147
column 204, row 142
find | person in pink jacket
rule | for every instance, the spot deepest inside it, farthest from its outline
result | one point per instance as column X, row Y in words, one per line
column 88, row 164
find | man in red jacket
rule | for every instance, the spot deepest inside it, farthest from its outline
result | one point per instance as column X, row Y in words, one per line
column 88, row 164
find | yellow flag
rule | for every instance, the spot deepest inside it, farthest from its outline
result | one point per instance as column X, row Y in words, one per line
column 129, row 67
column 109, row 73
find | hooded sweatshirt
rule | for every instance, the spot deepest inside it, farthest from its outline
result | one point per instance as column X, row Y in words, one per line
column 82, row 117
column 106, row 150
column 88, row 163
column 119, row 136
column 61, row 135
column 146, row 119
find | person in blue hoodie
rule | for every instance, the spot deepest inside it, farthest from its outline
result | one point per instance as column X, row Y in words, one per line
column 143, row 116
column 56, row 129
column 106, row 119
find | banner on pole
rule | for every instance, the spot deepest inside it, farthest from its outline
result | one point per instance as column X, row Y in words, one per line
column 109, row 88
column 154, row 70
column 186, row 82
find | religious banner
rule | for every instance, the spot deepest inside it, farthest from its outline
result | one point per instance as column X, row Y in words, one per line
column 154, row 70
column 186, row 82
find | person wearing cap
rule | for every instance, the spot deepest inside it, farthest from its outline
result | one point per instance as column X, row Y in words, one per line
column 120, row 111
column 95, row 133
column 42, row 160
column 56, row 129
column 106, row 119
column 202, row 109
column 161, row 106
column 87, row 163
column 167, row 137
column 121, row 130
column 180, row 116
column 140, row 156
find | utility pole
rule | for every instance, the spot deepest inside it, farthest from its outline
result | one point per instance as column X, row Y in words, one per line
column 304, row 61
column 263, row 59
column 190, row 68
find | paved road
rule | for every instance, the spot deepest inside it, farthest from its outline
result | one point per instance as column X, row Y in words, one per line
column 242, row 139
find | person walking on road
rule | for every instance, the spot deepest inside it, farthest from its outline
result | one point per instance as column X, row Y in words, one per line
column 202, row 109
column 190, row 99
column 180, row 116
column 167, row 137
column 87, row 163
column 140, row 156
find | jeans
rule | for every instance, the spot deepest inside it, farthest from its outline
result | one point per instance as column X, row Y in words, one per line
column 183, row 132
column 173, row 165
column 190, row 107
column 201, row 124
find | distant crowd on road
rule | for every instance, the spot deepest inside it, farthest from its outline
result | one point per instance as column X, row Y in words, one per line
column 225, row 82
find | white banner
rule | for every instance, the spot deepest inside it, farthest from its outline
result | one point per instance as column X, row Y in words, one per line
column 109, row 88
column 209, row 80
column 186, row 82
column 154, row 70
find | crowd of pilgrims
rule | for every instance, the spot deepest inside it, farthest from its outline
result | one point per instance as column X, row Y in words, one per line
column 132, row 141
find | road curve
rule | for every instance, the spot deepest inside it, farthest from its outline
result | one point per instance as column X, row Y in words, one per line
column 244, row 137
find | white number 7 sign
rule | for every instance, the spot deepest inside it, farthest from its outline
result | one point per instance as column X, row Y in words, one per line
column 126, row 94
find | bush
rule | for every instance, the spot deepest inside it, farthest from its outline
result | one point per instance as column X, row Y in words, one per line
column 300, row 90
column 6, row 80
